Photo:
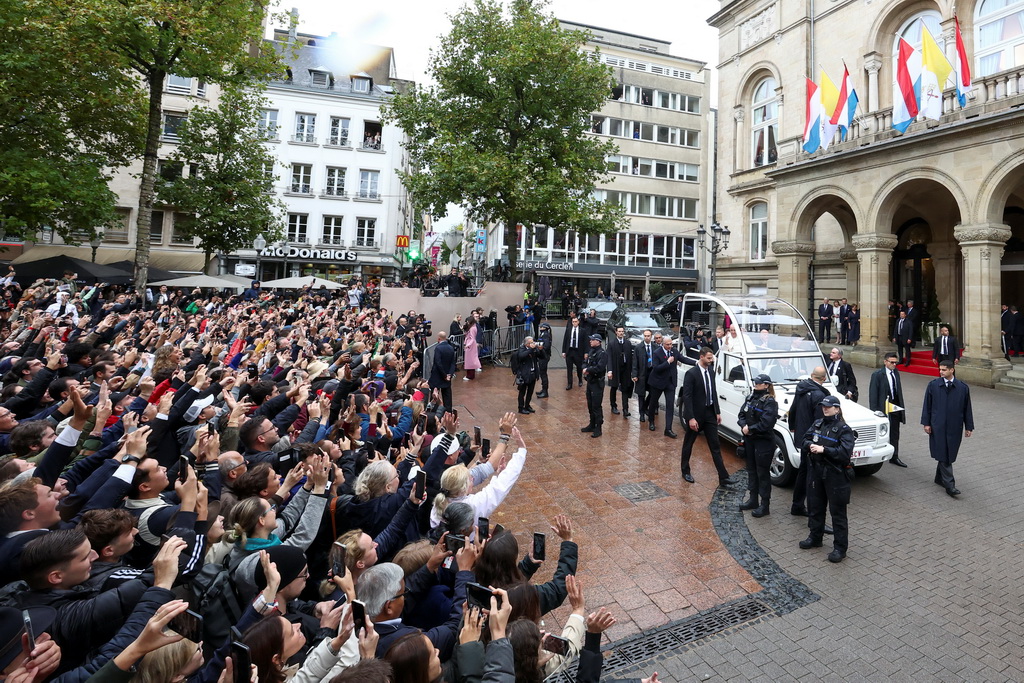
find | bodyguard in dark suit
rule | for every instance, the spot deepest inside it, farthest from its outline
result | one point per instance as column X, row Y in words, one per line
column 544, row 342
column 643, row 363
column 662, row 382
column 946, row 417
column 805, row 409
column 839, row 368
column 825, row 321
column 443, row 369
column 946, row 347
column 886, row 385
column 904, row 337
column 620, row 368
column 701, row 413
column 573, row 345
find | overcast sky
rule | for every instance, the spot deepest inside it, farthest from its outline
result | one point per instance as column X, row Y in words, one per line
column 412, row 27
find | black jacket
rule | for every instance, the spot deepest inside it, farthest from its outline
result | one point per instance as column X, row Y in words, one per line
column 581, row 341
column 805, row 409
column 847, row 382
column 879, row 391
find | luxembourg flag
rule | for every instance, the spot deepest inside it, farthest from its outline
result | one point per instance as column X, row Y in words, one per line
column 907, row 88
column 828, row 93
column 847, row 107
column 812, row 126
column 961, row 68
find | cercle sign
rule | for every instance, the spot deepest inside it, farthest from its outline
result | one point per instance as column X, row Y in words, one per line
column 544, row 265
column 307, row 253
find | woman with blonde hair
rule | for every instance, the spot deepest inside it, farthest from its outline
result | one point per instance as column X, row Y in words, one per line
column 172, row 663
column 456, row 485
column 380, row 490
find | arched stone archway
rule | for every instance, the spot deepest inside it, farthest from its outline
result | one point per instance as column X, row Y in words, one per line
column 1002, row 207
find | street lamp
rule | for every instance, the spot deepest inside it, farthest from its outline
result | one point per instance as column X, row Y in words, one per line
column 95, row 243
column 719, row 243
column 259, row 244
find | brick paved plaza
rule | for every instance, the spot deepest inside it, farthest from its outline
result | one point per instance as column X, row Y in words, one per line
column 931, row 589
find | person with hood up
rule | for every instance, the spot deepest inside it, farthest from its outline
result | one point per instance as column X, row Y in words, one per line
column 253, row 292
column 806, row 408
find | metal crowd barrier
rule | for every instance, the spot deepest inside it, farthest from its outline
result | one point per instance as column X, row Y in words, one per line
column 495, row 346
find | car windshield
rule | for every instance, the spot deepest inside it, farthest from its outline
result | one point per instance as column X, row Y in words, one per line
column 603, row 309
column 655, row 321
column 784, row 369
column 770, row 325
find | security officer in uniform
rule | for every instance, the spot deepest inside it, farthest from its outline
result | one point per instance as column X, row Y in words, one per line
column 544, row 341
column 594, row 367
column 757, row 420
column 829, row 446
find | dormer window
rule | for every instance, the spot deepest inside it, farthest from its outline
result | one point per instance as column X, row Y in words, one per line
column 321, row 78
column 361, row 85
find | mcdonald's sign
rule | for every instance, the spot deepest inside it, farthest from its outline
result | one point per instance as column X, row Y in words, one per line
column 402, row 242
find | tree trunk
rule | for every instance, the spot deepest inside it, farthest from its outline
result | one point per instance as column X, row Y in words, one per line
column 147, row 189
column 512, row 246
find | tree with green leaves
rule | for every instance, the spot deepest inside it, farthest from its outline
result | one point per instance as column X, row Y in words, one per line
column 217, row 41
column 227, row 189
column 504, row 133
column 69, row 113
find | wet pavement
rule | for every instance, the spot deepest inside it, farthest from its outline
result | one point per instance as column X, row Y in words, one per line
column 931, row 589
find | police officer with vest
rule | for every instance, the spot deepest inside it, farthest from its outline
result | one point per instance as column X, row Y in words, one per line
column 757, row 420
column 594, row 367
column 829, row 446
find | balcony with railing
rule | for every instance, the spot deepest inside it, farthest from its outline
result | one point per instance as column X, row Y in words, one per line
column 332, row 241
column 366, row 243
column 304, row 138
column 367, row 194
column 999, row 93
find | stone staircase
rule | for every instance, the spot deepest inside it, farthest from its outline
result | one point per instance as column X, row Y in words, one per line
column 1014, row 379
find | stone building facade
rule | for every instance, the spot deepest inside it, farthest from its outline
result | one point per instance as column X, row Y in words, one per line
column 935, row 215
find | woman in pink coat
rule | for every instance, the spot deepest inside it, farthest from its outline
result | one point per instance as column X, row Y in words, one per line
column 471, row 363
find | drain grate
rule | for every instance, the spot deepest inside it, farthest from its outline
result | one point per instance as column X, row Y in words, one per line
column 641, row 491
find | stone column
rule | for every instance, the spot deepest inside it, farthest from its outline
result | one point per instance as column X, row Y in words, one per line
column 872, row 64
column 852, row 267
column 794, row 259
column 982, row 248
column 874, row 254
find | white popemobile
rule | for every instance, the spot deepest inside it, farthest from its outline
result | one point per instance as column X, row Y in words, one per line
column 771, row 336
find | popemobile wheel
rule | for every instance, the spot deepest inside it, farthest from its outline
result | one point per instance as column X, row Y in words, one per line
column 782, row 471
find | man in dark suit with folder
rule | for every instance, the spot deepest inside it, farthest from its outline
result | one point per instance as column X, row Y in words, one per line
column 701, row 413
column 886, row 392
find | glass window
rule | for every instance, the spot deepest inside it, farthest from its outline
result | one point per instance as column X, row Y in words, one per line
column 335, row 182
column 183, row 223
column 618, row 164
column 759, row 231
column 646, row 130
column 688, row 172
column 368, row 184
column 366, row 229
column 645, row 167
column 297, row 225
column 339, row 131
column 305, row 128
column 361, row 85
column 171, row 124
column 689, row 208
column 999, row 36
column 179, row 84
column 302, row 176
column 690, row 138
column 156, row 227
column 691, row 104
column 765, row 123
column 332, row 230
column 665, row 169
column 268, row 124
column 615, row 127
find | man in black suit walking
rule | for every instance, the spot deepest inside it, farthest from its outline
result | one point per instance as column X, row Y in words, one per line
column 701, row 413
column 662, row 381
column 643, row 363
column 887, row 386
column 946, row 347
column 903, row 337
column 825, row 321
column 620, row 368
column 443, row 369
column 573, row 345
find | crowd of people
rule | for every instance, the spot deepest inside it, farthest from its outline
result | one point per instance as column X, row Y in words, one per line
column 260, row 487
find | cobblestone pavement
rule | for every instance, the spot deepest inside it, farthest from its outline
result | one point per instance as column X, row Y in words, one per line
column 931, row 589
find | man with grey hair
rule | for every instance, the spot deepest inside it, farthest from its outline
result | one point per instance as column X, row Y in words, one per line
column 230, row 466
column 663, row 381
column 383, row 589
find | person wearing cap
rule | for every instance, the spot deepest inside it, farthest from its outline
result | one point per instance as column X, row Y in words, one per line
column 595, row 365
column 544, row 343
column 828, row 446
column 756, row 420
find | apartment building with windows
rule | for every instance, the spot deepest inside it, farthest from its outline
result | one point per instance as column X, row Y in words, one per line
column 657, row 115
column 935, row 214
column 169, row 249
column 336, row 162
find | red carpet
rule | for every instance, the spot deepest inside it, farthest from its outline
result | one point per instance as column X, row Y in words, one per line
column 921, row 364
